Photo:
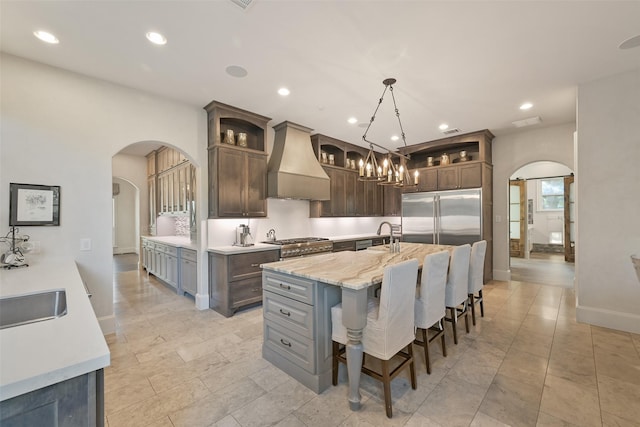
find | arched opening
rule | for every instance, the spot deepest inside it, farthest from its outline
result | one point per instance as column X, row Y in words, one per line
column 541, row 232
column 163, row 204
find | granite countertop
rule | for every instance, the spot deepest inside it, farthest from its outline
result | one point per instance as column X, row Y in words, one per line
column 353, row 270
column 177, row 241
column 39, row 354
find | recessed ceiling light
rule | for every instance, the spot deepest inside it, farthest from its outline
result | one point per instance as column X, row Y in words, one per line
column 236, row 71
column 46, row 37
column 395, row 138
column 526, row 106
column 443, row 126
column 630, row 42
column 352, row 120
column 283, row 91
column 156, row 38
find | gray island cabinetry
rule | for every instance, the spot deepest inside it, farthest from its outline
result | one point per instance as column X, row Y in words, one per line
column 297, row 327
column 297, row 300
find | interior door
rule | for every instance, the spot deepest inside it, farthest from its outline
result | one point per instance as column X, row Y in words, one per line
column 517, row 218
column 569, row 219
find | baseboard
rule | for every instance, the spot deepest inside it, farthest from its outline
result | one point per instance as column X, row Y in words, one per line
column 107, row 324
column 617, row 320
column 502, row 275
column 120, row 251
column 202, row 301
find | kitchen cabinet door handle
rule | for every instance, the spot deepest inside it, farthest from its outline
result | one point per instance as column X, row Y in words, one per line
column 288, row 344
column 287, row 287
column 255, row 265
column 286, row 313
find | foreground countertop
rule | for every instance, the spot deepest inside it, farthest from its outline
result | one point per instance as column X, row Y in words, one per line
column 39, row 354
column 353, row 270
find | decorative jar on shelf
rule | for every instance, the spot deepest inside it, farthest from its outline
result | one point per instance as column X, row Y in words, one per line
column 242, row 139
column 444, row 160
column 229, row 137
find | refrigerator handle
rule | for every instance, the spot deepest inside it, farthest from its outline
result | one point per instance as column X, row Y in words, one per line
column 436, row 219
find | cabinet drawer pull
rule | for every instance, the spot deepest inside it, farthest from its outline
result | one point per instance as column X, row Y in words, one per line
column 287, row 287
column 255, row 290
column 286, row 313
column 255, row 265
column 288, row 344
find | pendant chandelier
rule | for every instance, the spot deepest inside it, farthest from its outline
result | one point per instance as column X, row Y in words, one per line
column 390, row 172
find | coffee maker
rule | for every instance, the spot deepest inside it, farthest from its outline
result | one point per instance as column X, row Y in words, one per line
column 243, row 236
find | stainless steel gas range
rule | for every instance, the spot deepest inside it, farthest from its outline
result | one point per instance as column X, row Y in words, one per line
column 302, row 246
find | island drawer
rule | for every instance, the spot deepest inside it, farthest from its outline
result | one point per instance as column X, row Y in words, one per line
column 288, row 286
column 242, row 266
column 189, row 255
column 295, row 348
column 289, row 313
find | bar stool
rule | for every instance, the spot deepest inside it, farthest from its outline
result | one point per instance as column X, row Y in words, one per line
column 456, row 291
column 389, row 327
column 430, row 309
column 476, row 277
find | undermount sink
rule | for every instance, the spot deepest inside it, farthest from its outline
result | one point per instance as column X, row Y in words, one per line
column 31, row 308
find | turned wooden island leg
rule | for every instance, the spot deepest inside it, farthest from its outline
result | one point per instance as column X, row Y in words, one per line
column 354, row 318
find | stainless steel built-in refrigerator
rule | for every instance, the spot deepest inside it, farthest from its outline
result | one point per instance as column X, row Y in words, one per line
column 442, row 217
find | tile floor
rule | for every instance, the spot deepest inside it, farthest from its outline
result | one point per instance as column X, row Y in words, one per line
column 526, row 363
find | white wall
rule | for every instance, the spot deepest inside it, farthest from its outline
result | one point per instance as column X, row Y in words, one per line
column 290, row 218
column 134, row 170
column 61, row 128
column 126, row 211
column 607, row 180
column 510, row 153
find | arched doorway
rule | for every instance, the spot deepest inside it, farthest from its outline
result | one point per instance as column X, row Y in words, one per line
column 541, row 241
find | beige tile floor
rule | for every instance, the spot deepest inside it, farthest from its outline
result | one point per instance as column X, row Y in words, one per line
column 526, row 363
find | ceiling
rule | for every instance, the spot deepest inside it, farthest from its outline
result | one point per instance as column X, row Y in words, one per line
column 469, row 64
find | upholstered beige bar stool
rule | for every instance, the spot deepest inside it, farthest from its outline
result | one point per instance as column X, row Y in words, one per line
column 430, row 308
column 389, row 327
column 456, row 291
column 476, row 277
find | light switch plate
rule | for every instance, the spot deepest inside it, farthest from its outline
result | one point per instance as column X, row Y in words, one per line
column 85, row 244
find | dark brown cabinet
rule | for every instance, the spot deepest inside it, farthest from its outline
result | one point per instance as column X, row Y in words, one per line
column 235, row 280
column 392, row 197
column 474, row 170
column 237, row 169
column 238, row 183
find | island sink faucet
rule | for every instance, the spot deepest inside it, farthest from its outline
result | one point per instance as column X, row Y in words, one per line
column 390, row 228
column 394, row 244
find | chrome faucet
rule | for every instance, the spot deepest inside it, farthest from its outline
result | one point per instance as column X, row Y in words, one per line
column 271, row 235
column 394, row 244
column 390, row 228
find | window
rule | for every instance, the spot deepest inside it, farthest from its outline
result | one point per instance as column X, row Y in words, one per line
column 551, row 194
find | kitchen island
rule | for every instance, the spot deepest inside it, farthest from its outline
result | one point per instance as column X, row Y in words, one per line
column 298, row 296
column 51, row 372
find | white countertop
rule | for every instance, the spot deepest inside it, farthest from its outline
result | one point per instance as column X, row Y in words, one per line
column 177, row 241
column 358, row 237
column 39, row 354
column 231, row 250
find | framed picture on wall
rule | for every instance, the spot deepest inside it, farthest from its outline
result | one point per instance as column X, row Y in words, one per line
column 31, row 204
